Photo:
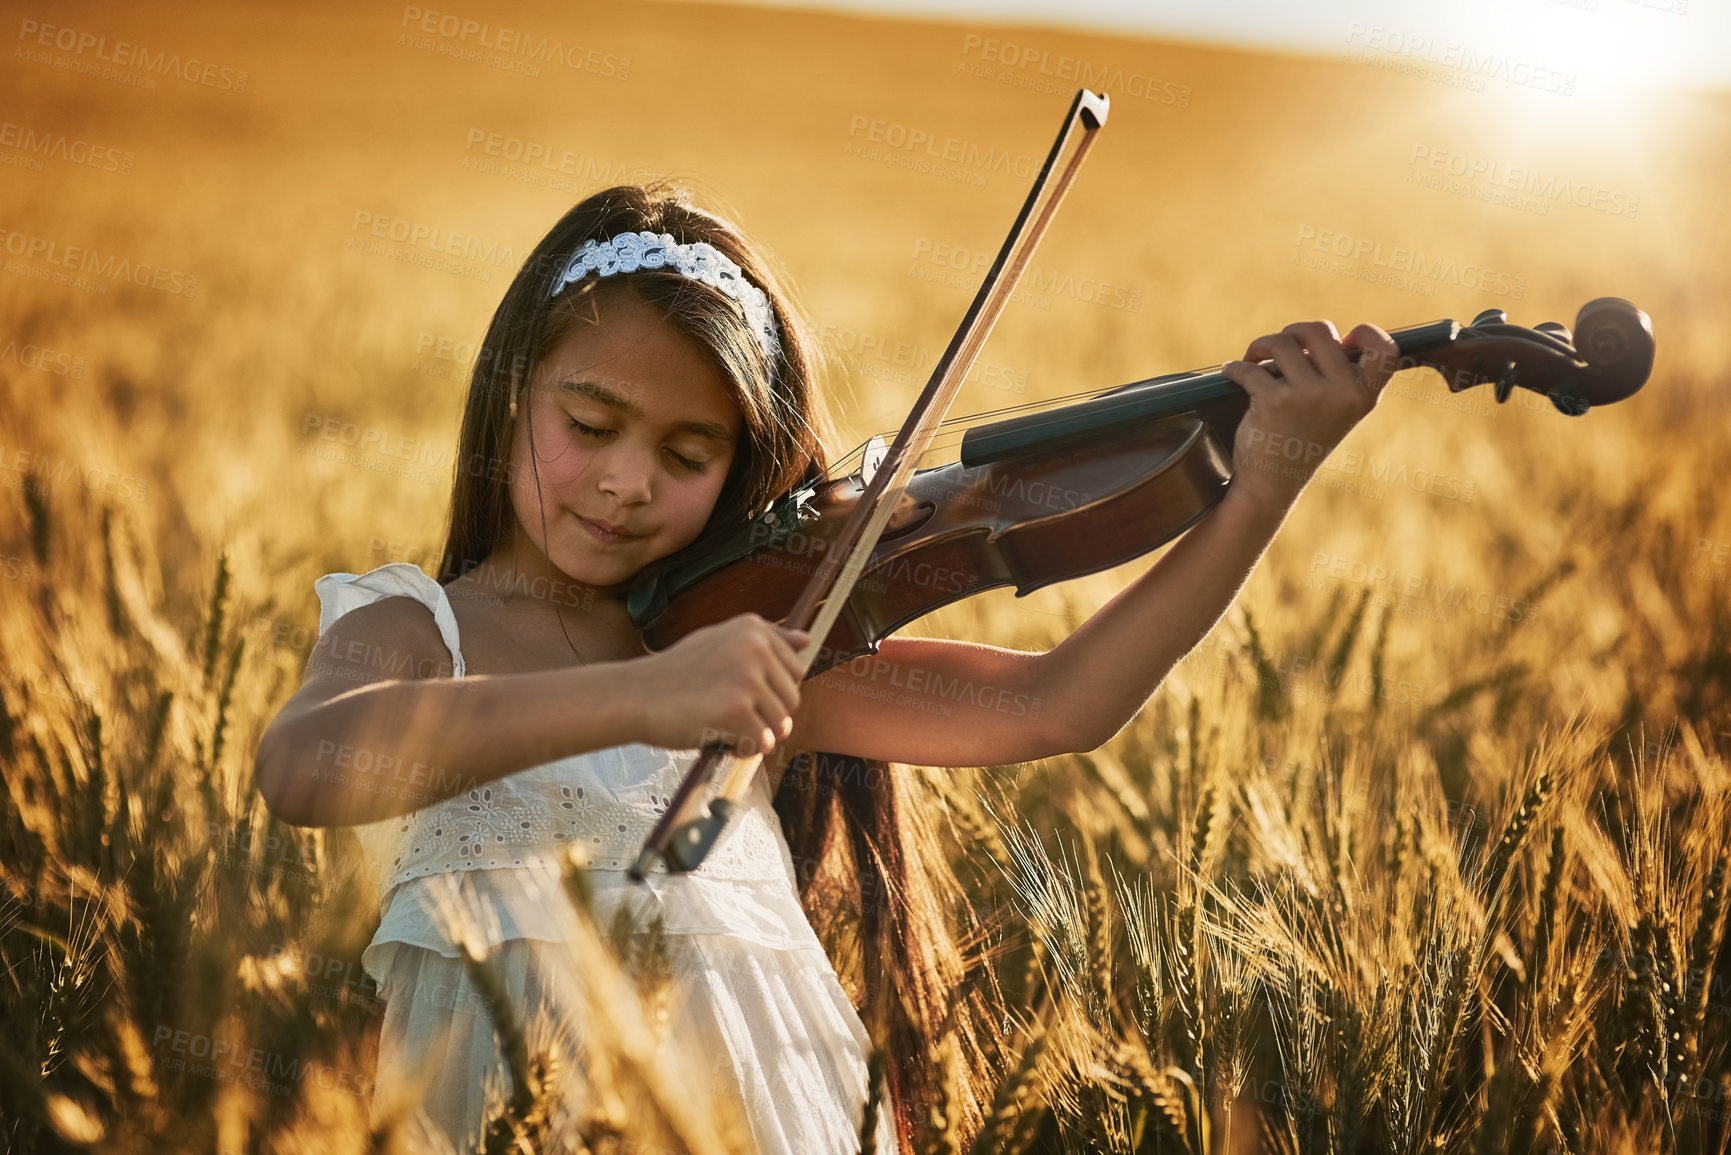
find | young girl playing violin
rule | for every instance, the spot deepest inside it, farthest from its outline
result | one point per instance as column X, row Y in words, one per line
column 644, row 379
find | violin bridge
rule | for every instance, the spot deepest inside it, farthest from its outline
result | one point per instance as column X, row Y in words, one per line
column 872, row 458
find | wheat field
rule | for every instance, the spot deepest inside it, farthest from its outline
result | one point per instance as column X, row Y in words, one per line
column 1422, row 849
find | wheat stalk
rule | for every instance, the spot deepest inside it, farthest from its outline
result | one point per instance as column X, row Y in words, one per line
column 1017, row 1094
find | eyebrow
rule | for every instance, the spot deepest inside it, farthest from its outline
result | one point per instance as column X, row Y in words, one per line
column 612, row 400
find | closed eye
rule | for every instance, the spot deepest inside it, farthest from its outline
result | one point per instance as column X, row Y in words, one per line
column 588, row 430
column 684, row 462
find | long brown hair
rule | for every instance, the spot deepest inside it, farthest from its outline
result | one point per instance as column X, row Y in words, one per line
column 881, row 862
column 781, row 444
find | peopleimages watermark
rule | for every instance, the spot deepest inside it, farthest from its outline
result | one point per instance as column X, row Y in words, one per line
column 51, row 472
column 260, row 852
column 43, row 359
column 17, row 569
column 397, row 455
column 42, row 684
column 378, row 772
column 429, row 246
column 933, row 153
column 874, row 354
column 1397, row 266
column 133, row 64
column 1413, row 592
column 283, row 633
column 1024, row 66
column 1516, row 186
column 509, row 49
column 39, row 146
column 1396, row 474
column 1710, row 560
column 927, row 691
column 962, row 267
column 497, row 585
column 252, row 1067
column 76, row 266
column 326, row 976
column 1457, row 65
column 1298, row 675
column 456, row 359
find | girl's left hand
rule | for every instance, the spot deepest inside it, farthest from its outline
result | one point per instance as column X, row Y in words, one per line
column 1295, row 419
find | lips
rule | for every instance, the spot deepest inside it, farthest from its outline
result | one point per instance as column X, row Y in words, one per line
column 606, row 531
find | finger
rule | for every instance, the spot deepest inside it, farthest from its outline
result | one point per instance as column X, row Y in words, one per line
column 756, row 733
column 783, row 688
column 773, row 717
column 1250, row 377
column 1295, row 366
column 1378, row 356
column 1322, row 340
column 743, row 736
column 1262, row 349
column 789, row 644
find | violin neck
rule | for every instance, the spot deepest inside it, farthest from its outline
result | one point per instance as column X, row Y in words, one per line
column 1206, row 393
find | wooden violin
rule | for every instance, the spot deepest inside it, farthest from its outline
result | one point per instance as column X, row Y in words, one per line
column 1079, row 488
column 1035, row 498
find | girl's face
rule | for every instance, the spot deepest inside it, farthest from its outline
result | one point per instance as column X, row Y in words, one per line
column 634, row 430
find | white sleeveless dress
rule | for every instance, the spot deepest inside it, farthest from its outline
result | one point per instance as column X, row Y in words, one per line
column 754, row 994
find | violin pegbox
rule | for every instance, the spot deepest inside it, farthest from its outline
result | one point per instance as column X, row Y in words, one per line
column 1606, row 358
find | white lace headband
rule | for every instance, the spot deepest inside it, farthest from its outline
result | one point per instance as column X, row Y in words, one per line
column 628, row 252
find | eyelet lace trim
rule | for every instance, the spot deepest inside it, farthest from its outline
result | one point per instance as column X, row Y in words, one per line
column 606, row 800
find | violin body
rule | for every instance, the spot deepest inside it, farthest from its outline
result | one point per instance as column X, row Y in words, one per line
column 1072, row 491
column 958, row 530
column 1033, row 499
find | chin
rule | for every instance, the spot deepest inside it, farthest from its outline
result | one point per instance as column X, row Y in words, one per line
column 589, row 572
column 585, row 568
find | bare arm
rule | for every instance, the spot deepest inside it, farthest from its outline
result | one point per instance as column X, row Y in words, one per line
column 944, row 703
column 938, row 703
column 374, row 732
column 380, row 728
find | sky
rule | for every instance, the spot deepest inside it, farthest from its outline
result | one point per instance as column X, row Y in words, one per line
column 1606, row 43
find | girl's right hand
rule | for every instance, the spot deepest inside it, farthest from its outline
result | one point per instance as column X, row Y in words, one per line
column 736, row 681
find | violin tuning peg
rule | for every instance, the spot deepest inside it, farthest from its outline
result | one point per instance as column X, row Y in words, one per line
column 1506, row 382
column 1491, row 317
column 1568, row 403
column 1556, row 329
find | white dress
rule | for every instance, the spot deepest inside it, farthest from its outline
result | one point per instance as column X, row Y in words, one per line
column 754, row 993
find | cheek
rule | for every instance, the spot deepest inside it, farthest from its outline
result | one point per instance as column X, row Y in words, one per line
column 537, row 479
column 555, row 460
column 688, row 506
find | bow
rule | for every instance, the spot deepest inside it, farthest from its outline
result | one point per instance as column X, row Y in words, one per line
column 685, row 832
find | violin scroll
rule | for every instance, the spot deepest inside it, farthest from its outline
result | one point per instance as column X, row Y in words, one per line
column 1606, row 358
column 1616, row 337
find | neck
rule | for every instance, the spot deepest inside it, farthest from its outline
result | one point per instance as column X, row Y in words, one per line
column 521, row 575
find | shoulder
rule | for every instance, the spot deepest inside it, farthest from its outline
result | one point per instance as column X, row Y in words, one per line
column 393, row 637
column 341, row 593
column 391, row 622
column 388, row 639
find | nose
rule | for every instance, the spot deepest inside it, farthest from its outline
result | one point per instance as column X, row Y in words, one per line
column 623, row 472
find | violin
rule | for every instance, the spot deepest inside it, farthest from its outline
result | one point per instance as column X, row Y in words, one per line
column 1037, row 497
column 1075, row 489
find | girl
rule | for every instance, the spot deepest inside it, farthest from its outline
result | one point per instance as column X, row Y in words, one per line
column 643, row 380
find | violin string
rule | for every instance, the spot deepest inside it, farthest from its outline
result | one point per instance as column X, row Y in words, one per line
column 950, row 427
